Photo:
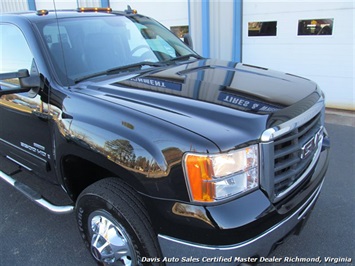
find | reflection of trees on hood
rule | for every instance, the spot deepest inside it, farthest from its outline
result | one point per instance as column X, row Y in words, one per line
column 120, row 150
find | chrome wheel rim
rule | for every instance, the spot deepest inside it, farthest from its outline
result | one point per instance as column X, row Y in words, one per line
column 110, row 243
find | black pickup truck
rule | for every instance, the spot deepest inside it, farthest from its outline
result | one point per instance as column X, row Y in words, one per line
column 163, row 155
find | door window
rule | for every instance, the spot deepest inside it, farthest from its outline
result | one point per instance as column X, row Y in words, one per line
column 15, row 52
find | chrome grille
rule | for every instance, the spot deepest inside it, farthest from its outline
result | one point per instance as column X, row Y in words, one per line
column 290, row 151
column 289, row 164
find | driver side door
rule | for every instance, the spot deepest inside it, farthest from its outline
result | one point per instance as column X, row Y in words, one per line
column 24, row 127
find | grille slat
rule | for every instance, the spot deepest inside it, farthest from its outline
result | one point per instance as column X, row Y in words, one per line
column 288, row 165
column 292, row 173
column 295, row 134
column 308, row 126
column 283, row 152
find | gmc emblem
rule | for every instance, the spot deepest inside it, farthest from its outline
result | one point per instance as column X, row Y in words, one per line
column 311, row 144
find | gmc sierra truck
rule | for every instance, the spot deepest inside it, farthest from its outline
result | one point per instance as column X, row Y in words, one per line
column 163, row 155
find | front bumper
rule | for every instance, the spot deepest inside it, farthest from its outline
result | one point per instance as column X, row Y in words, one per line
column 271, row 224
column 247, row 251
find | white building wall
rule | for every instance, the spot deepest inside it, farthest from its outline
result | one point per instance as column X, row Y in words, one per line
column 221, row 27
column 328, row 60
column 195, row 28
column 13, row 6
column 168, row 12
column 66, row 4
column 51, row 5
column 89, row 3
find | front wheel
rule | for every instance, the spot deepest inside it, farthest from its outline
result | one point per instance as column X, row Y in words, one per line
column 115, row 225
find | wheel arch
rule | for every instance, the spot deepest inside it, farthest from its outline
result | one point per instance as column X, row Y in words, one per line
column 79, row 172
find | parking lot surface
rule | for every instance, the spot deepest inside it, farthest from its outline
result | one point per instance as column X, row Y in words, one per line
column 31, row 235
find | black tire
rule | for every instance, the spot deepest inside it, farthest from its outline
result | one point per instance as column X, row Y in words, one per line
column 114, row 207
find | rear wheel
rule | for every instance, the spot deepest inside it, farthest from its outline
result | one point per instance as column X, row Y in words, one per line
column 115, row 225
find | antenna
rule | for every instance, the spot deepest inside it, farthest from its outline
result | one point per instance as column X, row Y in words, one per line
column 129, row 10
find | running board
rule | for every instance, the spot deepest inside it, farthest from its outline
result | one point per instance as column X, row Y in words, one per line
column 34, row 196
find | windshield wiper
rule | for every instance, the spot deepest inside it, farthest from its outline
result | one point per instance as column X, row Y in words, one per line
column 126, row 68
column 138, row 66
column 184, row 57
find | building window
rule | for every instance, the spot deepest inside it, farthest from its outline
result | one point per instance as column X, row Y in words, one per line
column 315, row 26
column 180, row 31
column 265, row 28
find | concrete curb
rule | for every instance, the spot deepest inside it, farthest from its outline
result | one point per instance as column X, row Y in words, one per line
column 340, row 117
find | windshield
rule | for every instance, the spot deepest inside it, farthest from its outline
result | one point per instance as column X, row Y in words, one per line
column 81, row 47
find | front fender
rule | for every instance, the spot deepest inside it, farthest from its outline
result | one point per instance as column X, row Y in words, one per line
column 146, row 150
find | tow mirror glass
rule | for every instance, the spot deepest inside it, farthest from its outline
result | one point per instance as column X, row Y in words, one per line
column 25, row 83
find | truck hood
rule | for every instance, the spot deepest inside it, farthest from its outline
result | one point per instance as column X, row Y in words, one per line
column 239, row 86
column 219, row 100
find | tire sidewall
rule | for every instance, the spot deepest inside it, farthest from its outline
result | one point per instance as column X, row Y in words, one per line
column 88, row 204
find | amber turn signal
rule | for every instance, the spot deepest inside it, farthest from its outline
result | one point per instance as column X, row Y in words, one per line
column 199, row 172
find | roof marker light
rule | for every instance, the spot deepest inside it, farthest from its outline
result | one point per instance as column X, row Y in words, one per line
column 94, row 9
column 42, row 12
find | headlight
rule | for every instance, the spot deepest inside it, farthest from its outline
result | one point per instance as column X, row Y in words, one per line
column 215, row 177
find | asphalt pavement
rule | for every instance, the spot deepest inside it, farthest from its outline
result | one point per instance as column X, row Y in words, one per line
column 31, row 235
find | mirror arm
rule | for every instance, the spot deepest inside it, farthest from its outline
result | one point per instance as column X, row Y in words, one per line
column 12, row 91
column 22, row 73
